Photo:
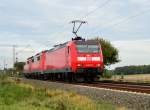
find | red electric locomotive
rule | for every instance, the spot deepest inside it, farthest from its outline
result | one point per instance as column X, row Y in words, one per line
column 73, row 60
column 78, row 59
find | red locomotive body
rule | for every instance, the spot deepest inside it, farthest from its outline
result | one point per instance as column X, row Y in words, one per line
column 35, row 64
column 71, row 60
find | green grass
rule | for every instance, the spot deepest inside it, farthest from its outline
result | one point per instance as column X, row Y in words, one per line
column 18, row 96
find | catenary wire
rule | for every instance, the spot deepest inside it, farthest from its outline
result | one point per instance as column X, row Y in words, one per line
column 85, row 16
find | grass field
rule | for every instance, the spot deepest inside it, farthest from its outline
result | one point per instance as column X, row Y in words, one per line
column 141, row 78
column 19, row 96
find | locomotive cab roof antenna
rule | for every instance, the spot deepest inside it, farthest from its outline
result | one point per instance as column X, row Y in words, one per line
column 75, row 30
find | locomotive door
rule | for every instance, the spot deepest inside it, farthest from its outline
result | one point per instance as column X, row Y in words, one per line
column 30, row 64
column 67, row 56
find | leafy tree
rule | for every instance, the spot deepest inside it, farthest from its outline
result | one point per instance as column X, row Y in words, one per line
column 19, row 66
column 110, row 53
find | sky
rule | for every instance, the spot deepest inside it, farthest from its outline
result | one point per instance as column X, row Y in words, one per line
column 36, row 25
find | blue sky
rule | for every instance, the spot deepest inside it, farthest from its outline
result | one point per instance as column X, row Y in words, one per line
column 43, row 23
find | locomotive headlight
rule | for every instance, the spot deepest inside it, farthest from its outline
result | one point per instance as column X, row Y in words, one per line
column 98, row 65
column 95, row 58
column 81, row 58
column 79, row 65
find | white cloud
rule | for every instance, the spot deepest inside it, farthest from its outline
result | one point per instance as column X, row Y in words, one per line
column 141, row 2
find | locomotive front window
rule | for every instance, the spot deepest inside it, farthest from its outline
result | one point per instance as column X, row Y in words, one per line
column 93, row 48
column 87, row 48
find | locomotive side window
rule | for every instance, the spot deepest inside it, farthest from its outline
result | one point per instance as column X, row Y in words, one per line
column 88, row 48
column 68, row 49
column 38, row 58
column 32, row 60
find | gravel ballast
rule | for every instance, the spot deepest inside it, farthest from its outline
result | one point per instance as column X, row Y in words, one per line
column 132, row 101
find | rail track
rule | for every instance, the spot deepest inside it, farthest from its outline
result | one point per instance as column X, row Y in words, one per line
column 123, row 87
column 131, row 87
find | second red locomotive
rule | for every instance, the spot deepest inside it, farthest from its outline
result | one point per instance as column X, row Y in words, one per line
column 78, row 59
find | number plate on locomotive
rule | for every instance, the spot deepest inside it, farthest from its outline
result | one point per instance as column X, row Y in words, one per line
column 88, row 58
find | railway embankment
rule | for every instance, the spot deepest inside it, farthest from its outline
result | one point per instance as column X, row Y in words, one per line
column 131, row 100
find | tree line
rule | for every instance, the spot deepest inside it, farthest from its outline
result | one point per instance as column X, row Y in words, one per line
column 127, row 70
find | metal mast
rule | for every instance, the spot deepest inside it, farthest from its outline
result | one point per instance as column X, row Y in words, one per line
column 14, row 58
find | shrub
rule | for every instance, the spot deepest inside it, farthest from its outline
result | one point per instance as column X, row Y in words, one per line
column 107, row 73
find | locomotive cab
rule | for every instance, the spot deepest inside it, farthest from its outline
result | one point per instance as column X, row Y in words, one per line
column 89, row 57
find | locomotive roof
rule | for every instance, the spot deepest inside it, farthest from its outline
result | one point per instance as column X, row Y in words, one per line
column 36, row 55
column 89, row 42
column 58, row 46
column 78, row 42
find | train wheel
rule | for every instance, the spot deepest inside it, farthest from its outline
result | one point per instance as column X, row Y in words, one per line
column 52, row 76
column 45, row 76
column 26, row 75
column 85, row 77
column 66, row 77
column 63, row 77
column 42, row 76
column 74, row 77
column 69, row 77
